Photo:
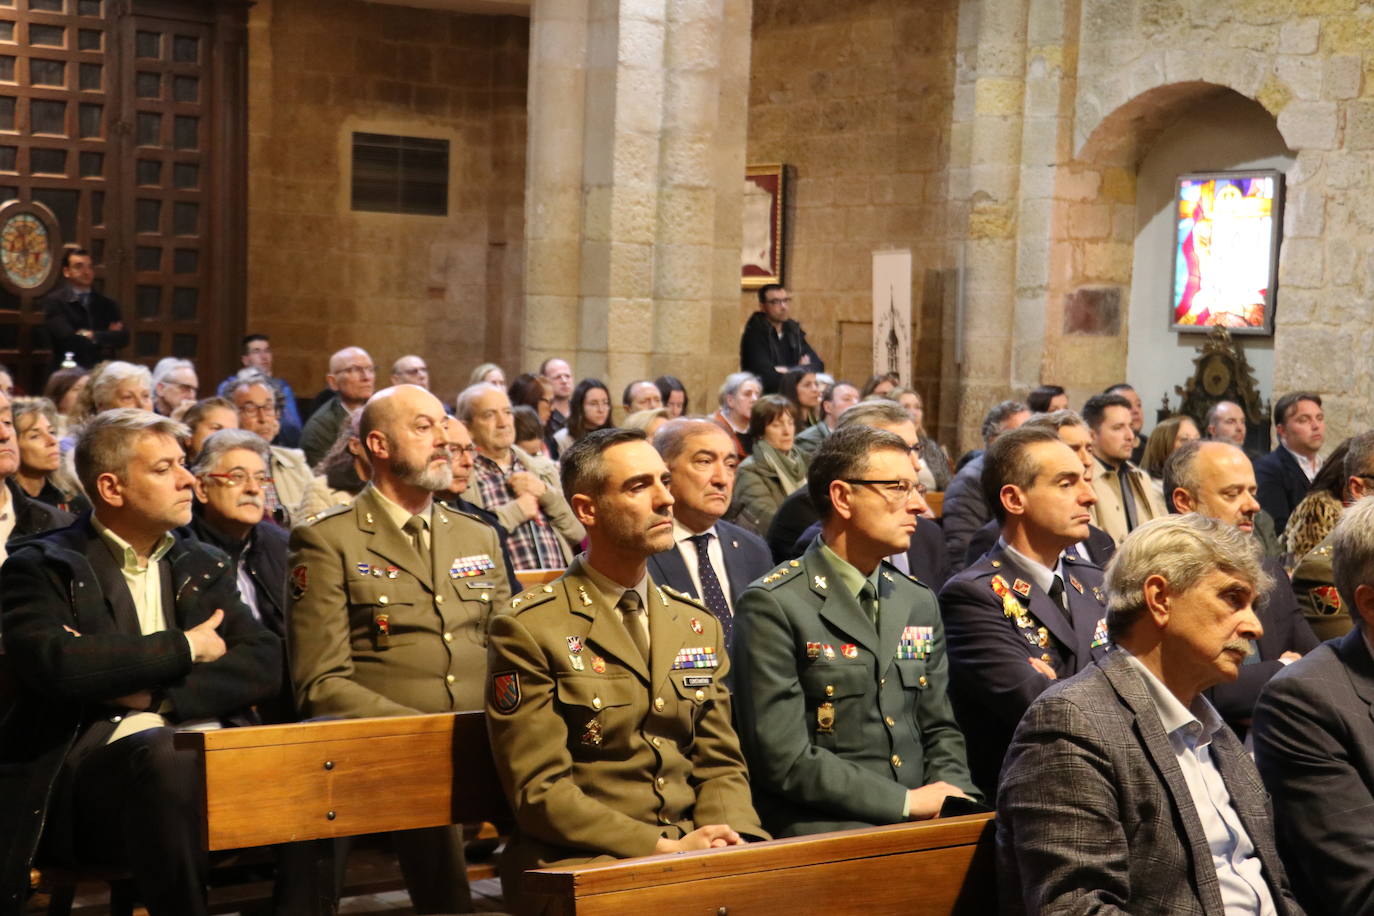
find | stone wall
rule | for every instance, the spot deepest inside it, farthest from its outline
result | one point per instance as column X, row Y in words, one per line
column 321, row 277
column 856, row 99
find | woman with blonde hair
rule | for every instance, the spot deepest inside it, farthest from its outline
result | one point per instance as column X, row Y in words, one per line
column 490, row 373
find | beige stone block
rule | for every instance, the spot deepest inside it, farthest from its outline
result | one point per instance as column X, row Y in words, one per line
column 677, row 330
column 1343, row 77
column 999, row 97
column 629, row 328
column 1309, row 125
column 1299, row 36
column 552, row 267
column 551, row 322
column 1346, row 170
column 691, row 100
column 1302, row 263
column 686, row 216
column 1344, row 260
column 1303, row 76
column 1107, row 262
column 1090, row 221
column 682, row 272
column 1079, row 185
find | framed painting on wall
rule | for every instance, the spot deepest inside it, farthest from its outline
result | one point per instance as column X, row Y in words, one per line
column 1226, row 251
column 761, row 248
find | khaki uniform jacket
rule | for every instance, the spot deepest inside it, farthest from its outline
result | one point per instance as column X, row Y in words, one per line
column 434, row 657
column 601, row 763
column 837, row 724
column 1109, row 513
column 1315, row 587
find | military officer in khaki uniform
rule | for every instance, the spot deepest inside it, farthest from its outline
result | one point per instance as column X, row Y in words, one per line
column 390, row 599
column 609, row 718
column 840, row 669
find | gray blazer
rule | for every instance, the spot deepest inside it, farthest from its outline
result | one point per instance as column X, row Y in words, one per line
column 1314, row 746
column 1086, row 825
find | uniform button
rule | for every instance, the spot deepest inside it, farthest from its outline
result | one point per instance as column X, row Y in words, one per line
column 656, row 741
column 658, row 703
column 663, row 819
column 117, row 719
column 882, row 682
column 485, row 596
column 450, row 678
column 596, row 702
column 659, row 782
column 896, row 760
column 830, row 690
column 438, row 599
column 548, row 589
column 890, row 721
column 923, row 681
column 448, row 637
column 700, row 695
column 382, row 599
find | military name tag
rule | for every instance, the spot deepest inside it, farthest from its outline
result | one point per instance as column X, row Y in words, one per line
column 697, row 681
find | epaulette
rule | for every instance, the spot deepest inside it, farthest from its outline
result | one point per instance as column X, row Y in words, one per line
column 682, row 596
column 327, row 513
column 532, row 598
column 780, row 574
column 890, row 573
column 442, row 509
column 1072, row 558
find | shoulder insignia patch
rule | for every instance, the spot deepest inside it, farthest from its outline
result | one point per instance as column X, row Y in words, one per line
column 327, row 513
column 1326, row 599
column 505, row 692
column 681, row 596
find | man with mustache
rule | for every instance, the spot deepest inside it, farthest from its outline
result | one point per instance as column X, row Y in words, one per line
column 840, row 659
column 1216, row 479
column 607, row 708
column 389, row 602
column 1030, row 611
column 1123, row 791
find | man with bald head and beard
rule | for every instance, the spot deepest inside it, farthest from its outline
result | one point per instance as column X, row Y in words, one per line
column 390, row 598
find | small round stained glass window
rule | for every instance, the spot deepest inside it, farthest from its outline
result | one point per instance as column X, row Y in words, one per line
column 26, row 250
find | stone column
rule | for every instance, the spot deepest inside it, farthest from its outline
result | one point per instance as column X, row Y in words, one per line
column 634, row 186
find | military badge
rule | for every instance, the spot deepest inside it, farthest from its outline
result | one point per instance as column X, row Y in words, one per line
column 1326, row 599
column 582, row 593
column 1077, row 586
column 915, row 643
column 829, row 651
column 813, row 650
column 381, row 630
column 300, row 581
column 1099, row 634
column 849, row 650
column 1021, row 587
column 1042, row 638
column 591, row 733
column 505, row 691
column 825, row 718
column 574, row 644
column 819, row 582
column 363, row 569
column 697, row 628
column 598, row 664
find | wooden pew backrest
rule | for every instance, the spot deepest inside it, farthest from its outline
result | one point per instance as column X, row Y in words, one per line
column 930, row 868
column 319, row 780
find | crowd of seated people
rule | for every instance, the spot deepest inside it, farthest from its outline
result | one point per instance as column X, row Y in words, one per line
column 761, row 628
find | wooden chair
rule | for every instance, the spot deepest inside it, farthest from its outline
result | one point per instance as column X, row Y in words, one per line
column 932, row 868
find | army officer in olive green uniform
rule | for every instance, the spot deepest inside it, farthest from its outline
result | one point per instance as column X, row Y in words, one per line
column 609, row 718
column 390, row 599
column 840, row 669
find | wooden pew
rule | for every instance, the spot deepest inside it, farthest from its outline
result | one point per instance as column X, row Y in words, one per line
column 317, row 781
column 932, row 868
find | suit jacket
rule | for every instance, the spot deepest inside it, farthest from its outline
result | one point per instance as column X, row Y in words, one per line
column 32, row 516
column 761, row 350
column 1095, row 816
column 965, row 511
column 377, row 632
column 991, row 680
column 746, row 559
column 63, row 316
column 809, row 440
column 806, row 650
column 68, row 578
column 1314, row 746
column 925, row 558
column 1282, row 485
column 1285, row 630
column 1109, row 512
column 1098, row 543
column 599, row 753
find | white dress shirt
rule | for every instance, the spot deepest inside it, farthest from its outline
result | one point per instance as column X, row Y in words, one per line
column 1190, row 730
column 688, row 551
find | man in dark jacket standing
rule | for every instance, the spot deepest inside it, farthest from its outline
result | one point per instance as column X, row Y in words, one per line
column 80, row 320
column 119, row 631
column 772, row 343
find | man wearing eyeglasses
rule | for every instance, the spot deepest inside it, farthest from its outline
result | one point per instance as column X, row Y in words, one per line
column 840, row 659
column 232, row 481
column 289, row 472
column 774, row 344
column 1032, row 610
column 353, row 377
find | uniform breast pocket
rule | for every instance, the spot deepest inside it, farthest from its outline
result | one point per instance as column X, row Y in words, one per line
column 380, row 613
column 693, row 688
column 598, row 710
column 913, row 673
column 834, row 702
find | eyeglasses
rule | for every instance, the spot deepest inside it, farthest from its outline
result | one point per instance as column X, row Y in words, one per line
column 892, row 490
column 461, row 449
column 239, row 477
column 262, row 410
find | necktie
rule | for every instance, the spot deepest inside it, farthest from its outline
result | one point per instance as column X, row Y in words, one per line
column 868, row 600
column 711, row 592
column 1123, row 477
column 415, row 529
column 1057, row 595
column 630, row 612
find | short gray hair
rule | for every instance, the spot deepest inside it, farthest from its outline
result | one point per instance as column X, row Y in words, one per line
column 1180, row 472
column 997, row 417
column 226, row 440
column 1183, row 549
column 734, row 382
column 108, row 379
column 880, row 412
column 108, row 439
column 1359, row 457
column 1057, row 420
column 167, row 365
column 462, row 408
column 671, row 438
column 247, row 377
column 1352, row 553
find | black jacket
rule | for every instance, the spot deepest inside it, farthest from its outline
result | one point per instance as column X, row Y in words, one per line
column 31, row 516
column 761, row 350
column 1098, row 543
column 63, row 316
column 68, row 578
column 1282, row 485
